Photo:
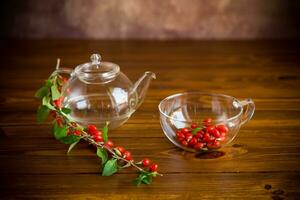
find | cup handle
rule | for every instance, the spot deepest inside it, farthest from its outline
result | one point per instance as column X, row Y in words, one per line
column 248, row 110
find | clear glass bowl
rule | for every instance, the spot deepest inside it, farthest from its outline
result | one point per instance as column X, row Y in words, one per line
column 182, row 110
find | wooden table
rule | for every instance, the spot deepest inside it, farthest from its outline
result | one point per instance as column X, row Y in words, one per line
column 262, row 163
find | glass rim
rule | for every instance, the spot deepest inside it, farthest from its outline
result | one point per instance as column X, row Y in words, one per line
column 200, row 94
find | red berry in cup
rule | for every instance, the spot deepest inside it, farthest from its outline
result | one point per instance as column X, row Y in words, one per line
column 222, row 139
column 198, row 146
column 127, row 155
column 179, row 134
column 216, row 133
column 222, row 128
column 207, row 121
column 188, row 137
column 184, row 143
column 181, row 139
column 145, row 162
column 206, row 138
column 210, row 145
column 193, row 141
column 193, row 126
column 210, row 129
column 153, row 167
column 109, row 144
column 214, row 145
column 223, row 134
column 199, row 134
column 185, row 130
column 217, row 143
column 98, row 138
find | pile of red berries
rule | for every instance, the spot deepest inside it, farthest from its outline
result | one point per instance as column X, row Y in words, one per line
column 208, row 136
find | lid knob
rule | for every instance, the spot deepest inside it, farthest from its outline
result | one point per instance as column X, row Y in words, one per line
column 95, row 58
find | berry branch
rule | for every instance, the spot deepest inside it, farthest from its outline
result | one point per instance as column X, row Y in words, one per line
column 70, row 132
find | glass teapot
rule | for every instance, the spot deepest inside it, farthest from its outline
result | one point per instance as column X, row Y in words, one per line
column 98, row 92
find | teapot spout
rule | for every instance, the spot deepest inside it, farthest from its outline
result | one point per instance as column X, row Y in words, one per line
column 142, row 85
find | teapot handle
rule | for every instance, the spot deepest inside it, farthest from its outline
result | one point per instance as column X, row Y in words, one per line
column 248, row 110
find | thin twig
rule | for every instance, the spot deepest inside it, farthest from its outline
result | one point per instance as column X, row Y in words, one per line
column 57, row 63
column 90, row 140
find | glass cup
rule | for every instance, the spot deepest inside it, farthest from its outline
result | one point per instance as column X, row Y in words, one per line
column 184, row 109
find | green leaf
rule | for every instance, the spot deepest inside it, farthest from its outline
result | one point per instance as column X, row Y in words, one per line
column 147, row 179
column 101, row 153
column 54, row 92
column 194, row 131
column 144, row 177
column 48, row 84
column 59, row 132
column 110, row 167
column 137, row 181
column 69, row 139
column 66, row 110
column 46, row 102
column 42, row 114
column 43, row 91
column 140, row 179
column 72, row 146
column 104, row 132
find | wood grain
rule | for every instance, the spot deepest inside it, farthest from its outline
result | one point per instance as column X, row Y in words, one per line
column 267, row 151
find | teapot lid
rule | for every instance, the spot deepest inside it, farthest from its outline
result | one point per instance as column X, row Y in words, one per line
column 97, row 71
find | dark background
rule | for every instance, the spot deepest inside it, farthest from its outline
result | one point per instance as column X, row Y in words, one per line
column 150, row 19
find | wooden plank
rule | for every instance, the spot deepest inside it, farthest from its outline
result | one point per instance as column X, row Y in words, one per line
column 171, row 186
